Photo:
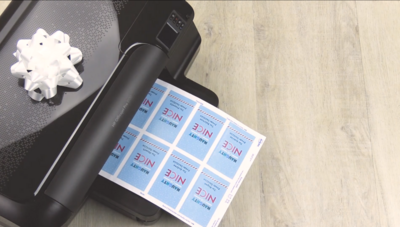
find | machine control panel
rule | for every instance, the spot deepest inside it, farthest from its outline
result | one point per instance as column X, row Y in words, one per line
column 168, row 34
column 177, row 21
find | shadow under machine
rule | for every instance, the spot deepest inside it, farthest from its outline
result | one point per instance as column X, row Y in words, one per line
column 51, row 151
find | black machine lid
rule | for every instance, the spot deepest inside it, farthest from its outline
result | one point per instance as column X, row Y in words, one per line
column 33, row 133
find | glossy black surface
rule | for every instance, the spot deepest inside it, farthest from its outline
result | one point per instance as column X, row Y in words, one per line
column 44, row 127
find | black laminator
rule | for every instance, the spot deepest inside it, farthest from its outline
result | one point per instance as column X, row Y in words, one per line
column 52, row 151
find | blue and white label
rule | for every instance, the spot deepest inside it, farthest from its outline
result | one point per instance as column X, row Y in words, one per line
column 174, row 179
column 171, row 117
column 120, row 150
column 231, row 150
column 143, row 162
column 201, row 132
column 204, row 198
column 148, row 105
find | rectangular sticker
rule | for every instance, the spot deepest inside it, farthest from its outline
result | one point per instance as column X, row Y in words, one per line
column 143, row 162
column 171, row 116
column 231, row 150
column 120, row 150
column 148, row 105
column 174, row 179
column 204, row 198
column 201, row 133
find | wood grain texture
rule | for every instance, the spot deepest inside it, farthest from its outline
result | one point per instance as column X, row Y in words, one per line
column 321, row 80
column 380, row 42
column 318, row 166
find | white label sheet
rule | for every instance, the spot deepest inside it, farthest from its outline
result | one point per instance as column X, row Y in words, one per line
column 184, row 155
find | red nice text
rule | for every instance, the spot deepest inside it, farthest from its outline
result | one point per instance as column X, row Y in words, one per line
column 202, row 130
column 174, row 176
column 231, row 148
column 203, row 193
column 141, row 158
column 169, row 113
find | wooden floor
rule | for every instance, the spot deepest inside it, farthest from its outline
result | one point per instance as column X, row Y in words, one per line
column 321, row 80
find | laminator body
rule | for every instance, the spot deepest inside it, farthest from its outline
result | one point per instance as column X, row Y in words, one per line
column 52, row 151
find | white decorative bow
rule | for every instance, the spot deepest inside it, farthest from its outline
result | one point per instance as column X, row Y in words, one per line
column 45, row 62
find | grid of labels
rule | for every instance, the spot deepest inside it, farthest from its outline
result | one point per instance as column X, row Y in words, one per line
column 206, row 137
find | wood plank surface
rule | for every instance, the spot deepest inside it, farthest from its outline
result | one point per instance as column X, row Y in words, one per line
column 318, row 163
column 380, row 45
column 321, row 80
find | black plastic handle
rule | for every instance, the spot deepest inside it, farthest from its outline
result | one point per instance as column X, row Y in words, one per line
column 110, row 116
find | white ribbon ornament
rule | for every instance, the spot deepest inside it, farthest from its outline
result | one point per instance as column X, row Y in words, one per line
column 45, row 62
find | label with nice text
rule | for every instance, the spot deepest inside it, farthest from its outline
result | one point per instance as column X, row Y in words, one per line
column 171, row 117
column 231, row 150
column 204, row 198
column 201, row 132
column 120, row 150
column 148, row 105
column 143, row 162
column 174, row 179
